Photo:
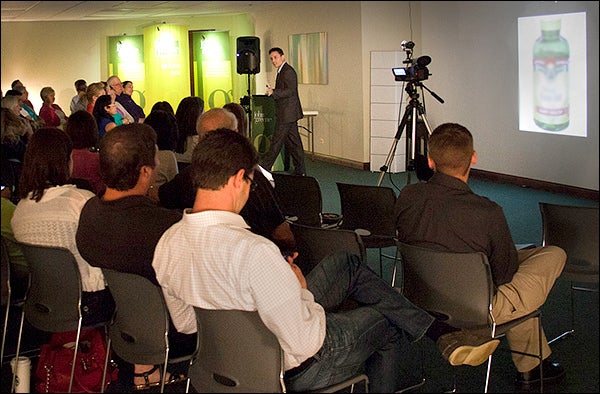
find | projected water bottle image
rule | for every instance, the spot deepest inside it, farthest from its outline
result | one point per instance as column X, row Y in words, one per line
column 551, row 78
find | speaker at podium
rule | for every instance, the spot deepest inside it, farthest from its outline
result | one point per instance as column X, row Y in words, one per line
column 263, row 127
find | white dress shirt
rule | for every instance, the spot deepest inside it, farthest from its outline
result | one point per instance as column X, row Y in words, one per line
column 211, row 260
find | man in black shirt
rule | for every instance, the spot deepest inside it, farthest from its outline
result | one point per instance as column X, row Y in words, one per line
column 443, row 213
column 120, row 229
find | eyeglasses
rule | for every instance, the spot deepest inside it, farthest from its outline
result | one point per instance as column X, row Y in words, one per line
column 253, row 184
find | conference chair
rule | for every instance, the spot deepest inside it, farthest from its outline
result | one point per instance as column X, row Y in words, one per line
column 239, row 354
column 53, row 301
column 369, row 210
column 315, row 243
column 139, row 330
column 8, row 298
column 458, row 288
column 301, row 201
column 575, row 229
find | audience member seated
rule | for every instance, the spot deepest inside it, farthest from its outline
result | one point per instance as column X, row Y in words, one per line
column 19, row 269
column 83, row 130
column 163, row 105
column 321, row 346
column 16, row 106
column 115, row 86
column 444, row 213
column 104, row 113
column 119, row 230
column 48, row 213
column 261, row 211
column 187, row 114
column 122, row 116
column 16, row 131
column 79, row 101
column 165, row 126
column 15, row 85
column 51, row 112
column 27, row 112
column 92, row 93
column 240, row 114
column 242, row 117
column 131, row 106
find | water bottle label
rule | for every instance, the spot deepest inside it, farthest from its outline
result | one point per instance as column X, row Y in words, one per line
column 551, row 87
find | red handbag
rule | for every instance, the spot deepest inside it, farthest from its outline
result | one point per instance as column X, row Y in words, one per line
column 53, row 370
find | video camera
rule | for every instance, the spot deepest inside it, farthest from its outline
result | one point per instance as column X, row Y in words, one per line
column 416, row 72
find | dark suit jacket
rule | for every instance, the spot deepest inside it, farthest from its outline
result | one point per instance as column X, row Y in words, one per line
column 287, row 102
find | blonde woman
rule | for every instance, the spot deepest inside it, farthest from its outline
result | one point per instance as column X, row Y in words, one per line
column 52, row 113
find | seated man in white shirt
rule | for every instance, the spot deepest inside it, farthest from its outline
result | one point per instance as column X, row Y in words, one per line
column 211, row 260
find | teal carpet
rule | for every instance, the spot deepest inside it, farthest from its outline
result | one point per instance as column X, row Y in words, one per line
column 578, row 353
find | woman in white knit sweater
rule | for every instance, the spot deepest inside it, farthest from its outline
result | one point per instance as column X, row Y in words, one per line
column 48, row 212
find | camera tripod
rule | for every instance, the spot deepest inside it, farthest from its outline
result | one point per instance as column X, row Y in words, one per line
column 413, row 110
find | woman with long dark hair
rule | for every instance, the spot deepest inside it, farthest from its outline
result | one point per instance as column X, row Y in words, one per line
column 49, row 209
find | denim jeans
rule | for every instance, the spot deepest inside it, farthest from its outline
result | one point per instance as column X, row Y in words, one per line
column 367, row 338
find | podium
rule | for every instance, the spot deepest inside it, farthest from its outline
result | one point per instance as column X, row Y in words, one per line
column 262, row 123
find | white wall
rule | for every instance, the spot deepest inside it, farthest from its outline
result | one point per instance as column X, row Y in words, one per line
column 473, row 46
column 474, row 68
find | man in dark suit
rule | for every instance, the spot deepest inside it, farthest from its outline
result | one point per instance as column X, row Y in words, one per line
column 287, row 112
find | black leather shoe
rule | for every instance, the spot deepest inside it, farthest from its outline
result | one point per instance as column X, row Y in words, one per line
column 553, row 372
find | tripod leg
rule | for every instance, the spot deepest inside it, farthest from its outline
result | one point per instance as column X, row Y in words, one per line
column 412, row 140
column 390, row 155
column 421, row 165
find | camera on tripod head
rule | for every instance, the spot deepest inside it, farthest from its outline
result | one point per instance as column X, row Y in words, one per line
column 416, row 72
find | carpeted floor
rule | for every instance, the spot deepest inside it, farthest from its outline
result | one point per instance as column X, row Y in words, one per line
column 578, row 353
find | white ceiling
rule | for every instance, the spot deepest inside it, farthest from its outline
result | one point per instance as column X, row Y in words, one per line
column 31, row 11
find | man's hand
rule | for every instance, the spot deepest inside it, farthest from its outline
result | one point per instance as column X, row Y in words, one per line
column 296, row 269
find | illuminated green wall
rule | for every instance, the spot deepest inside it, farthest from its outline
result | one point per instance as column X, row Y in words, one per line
column 159, row 64
column 212, row 67
column 166, row 54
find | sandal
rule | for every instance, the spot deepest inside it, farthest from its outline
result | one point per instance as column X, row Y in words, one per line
column 147, row 383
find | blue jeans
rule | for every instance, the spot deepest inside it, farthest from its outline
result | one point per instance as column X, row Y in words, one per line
column 367, row 338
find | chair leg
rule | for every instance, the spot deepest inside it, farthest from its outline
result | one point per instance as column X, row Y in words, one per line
column 14, row 378
column 105, row 364
column 540, row 355
column 75, row 355
column 487, row 376
column 572, row 329
column 164, row 371
column 5, row 326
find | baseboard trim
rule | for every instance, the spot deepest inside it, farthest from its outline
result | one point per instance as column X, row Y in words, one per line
column 342, row 162
column 573, row 191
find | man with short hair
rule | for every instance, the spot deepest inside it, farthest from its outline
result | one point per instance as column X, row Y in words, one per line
column 134, row 110
column 79, row 102
column 261, row 211
column 120, row 229
column 288, row 111
column 444, row 213
column 211, row 260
